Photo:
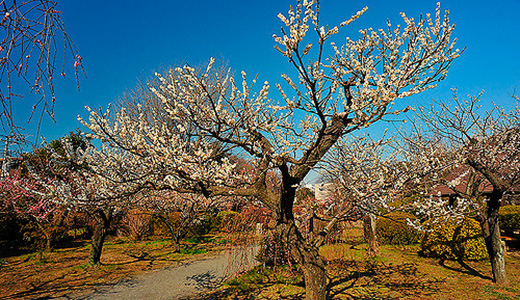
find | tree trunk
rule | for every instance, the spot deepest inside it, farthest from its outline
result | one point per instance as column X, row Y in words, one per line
column 369, row 232
column 307, row 256
column 47, row 235
column 48, row 241
column 304, row 252
column 491, row 231
column 315, row 275
column 176, row 232
column 98, row 238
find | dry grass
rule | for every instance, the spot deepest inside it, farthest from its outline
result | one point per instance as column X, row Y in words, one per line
column 64, row 271
column 399, row 273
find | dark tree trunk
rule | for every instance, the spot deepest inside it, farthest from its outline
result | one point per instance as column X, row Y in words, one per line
column 47, row 234
column 98, row 238
column 177, row 237
column 307, row 256
column 176, row 232
column 305, row 253
column 48, row 241
column 491, row 230
column 369, row 232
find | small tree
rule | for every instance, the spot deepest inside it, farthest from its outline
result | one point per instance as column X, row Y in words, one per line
column 206, row 116
column 79, row 184
column 177, row 211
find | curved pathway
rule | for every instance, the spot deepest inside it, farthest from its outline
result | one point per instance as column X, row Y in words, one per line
column 182, row 282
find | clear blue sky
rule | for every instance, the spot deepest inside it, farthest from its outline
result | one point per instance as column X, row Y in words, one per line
column 122, row 40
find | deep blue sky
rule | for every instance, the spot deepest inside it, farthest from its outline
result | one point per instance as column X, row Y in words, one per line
column 123, row 40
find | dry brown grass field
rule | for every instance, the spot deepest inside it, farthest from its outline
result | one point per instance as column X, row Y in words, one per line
column 398, row 273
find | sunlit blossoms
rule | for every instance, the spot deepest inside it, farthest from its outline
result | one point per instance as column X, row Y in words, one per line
column 193, row 125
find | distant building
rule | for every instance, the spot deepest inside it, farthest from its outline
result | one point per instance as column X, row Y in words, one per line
column 323, row 191
column 461, row 179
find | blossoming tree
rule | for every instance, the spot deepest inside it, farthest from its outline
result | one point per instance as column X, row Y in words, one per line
column 337, row 91
column 370, row 176
column 480, row 166
column 17, row 201
column 79, row 184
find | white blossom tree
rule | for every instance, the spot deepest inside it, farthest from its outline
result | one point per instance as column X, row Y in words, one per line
column 370, row 176
column 479, row 165
column 207, row 115
column 77, row 184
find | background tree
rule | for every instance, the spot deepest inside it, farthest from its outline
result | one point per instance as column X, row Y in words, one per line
column 177, row 211
column 80, row 186
column 481, row 163
column 22, row 190
column 338, row 91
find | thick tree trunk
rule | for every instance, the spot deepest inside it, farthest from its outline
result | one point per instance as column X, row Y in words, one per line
column 315, row 279
column 494, row 247
column 305, row 253
column 307, row 256
column 369, row 232
column 98, row 238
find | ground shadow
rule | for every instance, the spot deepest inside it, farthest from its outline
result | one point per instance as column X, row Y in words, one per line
column 466, row 269
column 366, row 280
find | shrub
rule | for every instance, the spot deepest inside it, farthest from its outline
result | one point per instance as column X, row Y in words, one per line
column 510, row 216
column 224, row 220
column 453, row 240
column 136, row 224
column 11, row 235
column 392, row 229
column 201, row 225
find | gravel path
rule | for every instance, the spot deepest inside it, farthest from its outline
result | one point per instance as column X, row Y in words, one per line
column 182, row 282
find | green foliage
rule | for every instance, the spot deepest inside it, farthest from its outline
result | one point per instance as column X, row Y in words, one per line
column 192, row 251
column 392, row 229
column 201, row 225
column 199, row 239
column 452, row 240
column 510, row 216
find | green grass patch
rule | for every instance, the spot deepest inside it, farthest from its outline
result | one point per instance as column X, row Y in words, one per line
column 192, row 251
column 200, row 239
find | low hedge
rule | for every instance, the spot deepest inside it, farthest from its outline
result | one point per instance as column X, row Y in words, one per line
column 224, row 221
column 510, row 216
column 453, row 240
column 392, row 229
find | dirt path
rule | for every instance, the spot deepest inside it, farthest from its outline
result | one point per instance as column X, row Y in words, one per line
column 181, row 282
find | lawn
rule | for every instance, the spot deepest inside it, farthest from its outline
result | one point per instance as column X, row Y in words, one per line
column 398, row 273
